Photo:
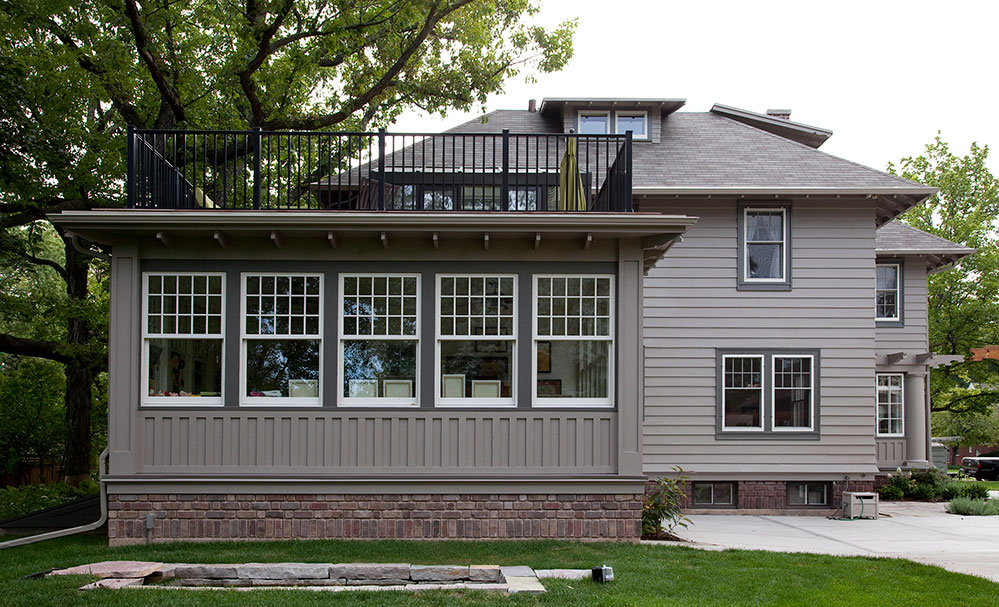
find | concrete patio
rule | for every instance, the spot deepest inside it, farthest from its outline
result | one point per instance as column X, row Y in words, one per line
column 922, row 532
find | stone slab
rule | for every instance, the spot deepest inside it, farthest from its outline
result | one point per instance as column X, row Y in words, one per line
column 564, row 574
column 113, row 569
column 484, row 573
column 517, row 571
column 203, row 571
column 210, row 582
column 113, row 583
column 524, row 585
column 434, row 586
column 283, row 571
column 370, row 571
column 437, row 573
column 398, row 582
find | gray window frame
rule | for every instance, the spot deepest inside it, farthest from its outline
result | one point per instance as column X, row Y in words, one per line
column 900, row 302
column 828, row 494
column 747, row 284
column 767, row 432
column 713, row 504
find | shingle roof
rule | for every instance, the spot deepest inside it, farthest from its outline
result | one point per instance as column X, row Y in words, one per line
column 895, row 237
column 701, row 150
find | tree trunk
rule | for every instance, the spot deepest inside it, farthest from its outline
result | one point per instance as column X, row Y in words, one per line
column 79, row 378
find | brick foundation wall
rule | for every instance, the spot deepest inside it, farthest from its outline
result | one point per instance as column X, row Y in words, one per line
column 772, row 495
column 465, row 516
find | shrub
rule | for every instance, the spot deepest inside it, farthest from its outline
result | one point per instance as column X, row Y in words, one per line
column 975, row 491
column 663, row 505
column 923, row 492
column 952, row 489
column 891, row 493
column 970, row 507
column 15, row 501
column 898, row 486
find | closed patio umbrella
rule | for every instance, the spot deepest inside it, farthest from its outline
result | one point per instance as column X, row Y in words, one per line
column 571, row 196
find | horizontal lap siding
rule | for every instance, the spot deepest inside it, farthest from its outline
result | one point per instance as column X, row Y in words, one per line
column 913, row 336
column 692, row 307
column 400, row 442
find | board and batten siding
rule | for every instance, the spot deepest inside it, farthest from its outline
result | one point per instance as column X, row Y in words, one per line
column 692, row 308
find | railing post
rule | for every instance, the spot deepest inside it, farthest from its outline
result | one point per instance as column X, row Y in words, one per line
column 627, row 173
column 257, row 144
column 381, row 169
column 130, row 168
column 505, row 183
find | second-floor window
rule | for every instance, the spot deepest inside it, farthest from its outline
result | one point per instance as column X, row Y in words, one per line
column 887, row 303
column 765, row 242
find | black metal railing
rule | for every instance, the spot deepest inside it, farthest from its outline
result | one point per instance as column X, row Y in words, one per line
column 378, row 171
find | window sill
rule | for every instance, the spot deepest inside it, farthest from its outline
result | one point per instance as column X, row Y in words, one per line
column 763, row 286
column 761, row 435
column 888, row 324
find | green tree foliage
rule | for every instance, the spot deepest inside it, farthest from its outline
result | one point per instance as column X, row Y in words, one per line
column 75, row 74
column 967, row 429
column 964, row 301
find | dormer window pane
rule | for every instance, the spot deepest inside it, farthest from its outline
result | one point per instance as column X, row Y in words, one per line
column 632, row 122
column 597, row 123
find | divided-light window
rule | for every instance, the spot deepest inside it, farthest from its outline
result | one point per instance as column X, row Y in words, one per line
column 887, row 302
column 765, row 242
column 476, row 339
column 573, row 339
column 890, row 407
column 768, row 392
column 281, row 339
column 380, row 336
column 183, row 338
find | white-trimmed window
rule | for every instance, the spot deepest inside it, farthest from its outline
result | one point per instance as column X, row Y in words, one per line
column 886, row 302
column 716, row 494
column 593, row 122
column 476, row 339
column 282, row 333
column 742, row 393
column 765, row 245
column 182, row 338
column 793, row 397
column 890, row 409
column 636, row 121
column 379, row 339
column 573, row 340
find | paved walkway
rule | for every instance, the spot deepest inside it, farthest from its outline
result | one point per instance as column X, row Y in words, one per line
column 921, row 532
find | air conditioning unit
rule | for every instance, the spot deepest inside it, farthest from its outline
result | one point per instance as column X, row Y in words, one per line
column 860, row 504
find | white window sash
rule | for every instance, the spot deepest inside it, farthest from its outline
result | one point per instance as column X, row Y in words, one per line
column 441, row 401
column 555, row 402
column 763, row 378
column 746, row 242
column 888, row 391
column 273, row 401
column 811, row 394
column 896, row 291
column 145, row 399
column 347, row 401
column 586, row 113
column 634, row 113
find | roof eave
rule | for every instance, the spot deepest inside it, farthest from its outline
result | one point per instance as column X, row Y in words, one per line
column 809, row 135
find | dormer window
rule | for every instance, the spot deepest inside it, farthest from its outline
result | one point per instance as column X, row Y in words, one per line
column 636, row 122
column 594, row 123
column 599, row 122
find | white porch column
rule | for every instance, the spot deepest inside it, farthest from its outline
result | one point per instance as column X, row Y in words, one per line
column 915, row 421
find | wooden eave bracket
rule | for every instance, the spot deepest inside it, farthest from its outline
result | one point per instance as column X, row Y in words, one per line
column 437, row 241
column 485, row 241
column 588, row 241
column 925, row 356
column 383, row 237
column 219, row 238
column 537, row 240
column 163, row 237
column 276, row 239
column 894, row 357
column 331, row 238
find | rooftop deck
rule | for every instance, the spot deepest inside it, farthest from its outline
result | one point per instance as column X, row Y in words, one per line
column 491, row 172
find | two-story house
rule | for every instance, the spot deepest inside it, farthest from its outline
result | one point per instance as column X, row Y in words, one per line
column 506, row 329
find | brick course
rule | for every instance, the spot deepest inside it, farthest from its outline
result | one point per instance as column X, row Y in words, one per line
column 428, row 516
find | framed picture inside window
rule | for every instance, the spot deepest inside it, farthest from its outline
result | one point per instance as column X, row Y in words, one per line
column 549, row 387
column 544, row 357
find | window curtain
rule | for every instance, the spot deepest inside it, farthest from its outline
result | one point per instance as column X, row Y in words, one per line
column 592, row 372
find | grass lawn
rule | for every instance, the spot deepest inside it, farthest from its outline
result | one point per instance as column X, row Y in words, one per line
column 646, row 575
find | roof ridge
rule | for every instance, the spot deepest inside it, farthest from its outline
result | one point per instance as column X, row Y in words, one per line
column 811, row 149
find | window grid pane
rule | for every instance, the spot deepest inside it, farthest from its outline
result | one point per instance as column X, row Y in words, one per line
column 743, row 392
column 472, row 306
column 792, row 391
column 889, row 404
column 282, row 305
column 184, row 304
column 379, row 306
column 764, row 236
column 571, row 306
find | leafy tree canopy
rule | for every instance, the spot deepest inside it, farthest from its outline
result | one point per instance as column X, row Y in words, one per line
column 964, row 301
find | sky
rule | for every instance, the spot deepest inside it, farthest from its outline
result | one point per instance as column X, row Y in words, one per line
column 883, row 75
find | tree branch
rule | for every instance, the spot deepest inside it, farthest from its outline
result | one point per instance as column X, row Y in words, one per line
column 246, row 75
column 37, row 348
column 40, row 261
column 155, row 65
column 34, row 213
column 318, row 122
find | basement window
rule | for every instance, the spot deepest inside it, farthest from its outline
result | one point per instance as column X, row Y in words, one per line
column 808, row 494
column 717, row 495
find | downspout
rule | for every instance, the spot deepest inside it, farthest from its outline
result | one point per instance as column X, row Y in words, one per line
column 31, row 539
